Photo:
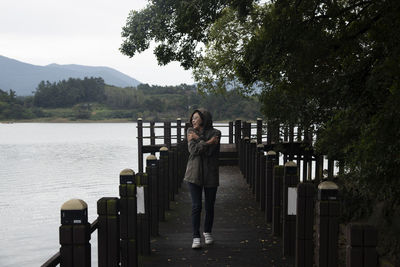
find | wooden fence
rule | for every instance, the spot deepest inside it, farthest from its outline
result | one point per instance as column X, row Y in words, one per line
column 125, row 223
column 303, row 212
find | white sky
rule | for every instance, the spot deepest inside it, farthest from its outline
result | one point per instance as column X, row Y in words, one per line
column 84, row 32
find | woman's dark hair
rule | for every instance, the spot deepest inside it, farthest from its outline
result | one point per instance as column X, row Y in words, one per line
column 201, row 116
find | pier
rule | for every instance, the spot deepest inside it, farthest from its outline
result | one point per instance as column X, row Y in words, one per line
column 277, row 205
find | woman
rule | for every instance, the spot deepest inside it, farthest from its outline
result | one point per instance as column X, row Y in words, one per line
column 202, row 172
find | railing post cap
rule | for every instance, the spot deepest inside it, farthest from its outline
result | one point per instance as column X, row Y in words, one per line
column 271, row 153
column 291, row 164
column 260, row 146
column 259, row 119
column 328, row 190
column 126, row 172
column 164, row 148
column 151, row 157
column 139, row 119
column 74, row 204
column 178, row 119
column 253, row 141
column 328, row 185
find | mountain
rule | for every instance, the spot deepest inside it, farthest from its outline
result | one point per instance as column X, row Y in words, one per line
column 24, row 78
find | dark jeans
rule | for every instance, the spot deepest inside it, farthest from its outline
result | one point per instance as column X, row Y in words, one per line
column 209, row 201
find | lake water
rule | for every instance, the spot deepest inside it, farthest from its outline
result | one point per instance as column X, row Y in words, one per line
column 42, row 165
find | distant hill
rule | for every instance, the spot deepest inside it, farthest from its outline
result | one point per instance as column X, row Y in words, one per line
column 24, row 78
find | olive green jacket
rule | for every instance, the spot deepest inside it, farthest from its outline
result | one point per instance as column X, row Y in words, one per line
column 202, row 167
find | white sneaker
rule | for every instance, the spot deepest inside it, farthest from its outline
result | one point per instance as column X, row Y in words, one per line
column 208, row 238
column 196, row 243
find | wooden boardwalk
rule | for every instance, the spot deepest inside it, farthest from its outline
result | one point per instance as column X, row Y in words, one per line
column 242, row 238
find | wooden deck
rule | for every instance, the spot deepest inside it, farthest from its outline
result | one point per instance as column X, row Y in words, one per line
column 242, row 238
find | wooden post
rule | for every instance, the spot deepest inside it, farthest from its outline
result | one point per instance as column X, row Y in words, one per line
column 152, row 134
column 108, row 232
column 140, row 143
column 277, row 200
column 269, row 168
column 238, row 132
column 175, row 166
column 319, row 167
column 262, row 167
column 258, row 154
column 75, row 248
column 246, row 158
column 172, row 186
column 128, row 219
column 291, row 141
column 143, row 213
column 178, row 130
column 361, row 245
column 259, row 130
column 298, row 139
column 161, row 184
column 269, row 132
column 330, row 169
column 309, row 153
column 152, row 173
column 179, row 164
column 276, row 132
column 328, row 211
column 305, row 225
column 246, row 129
column 253, row 148
column 285, row 139
column 164, row 174
column 305, row 155
column 167, row 134
column 290, row 181
column 231, row 132
column 241, row 155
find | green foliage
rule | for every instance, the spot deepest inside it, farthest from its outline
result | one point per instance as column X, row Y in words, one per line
column 70, row 92
column 82, row 111
column 148, row 102
column 331, row 64
column 178, row 27
column 170, row 102
column 12, row 108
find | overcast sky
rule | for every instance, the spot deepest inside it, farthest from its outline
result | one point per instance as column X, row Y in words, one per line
column 85, row 32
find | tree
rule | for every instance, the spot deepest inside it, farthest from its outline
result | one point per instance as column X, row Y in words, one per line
column 11, row 107
column 331, row 64
column 67, row 93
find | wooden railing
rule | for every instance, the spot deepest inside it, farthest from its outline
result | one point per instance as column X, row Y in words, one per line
column 303, row 212
column 125, row 223
column 286, row 176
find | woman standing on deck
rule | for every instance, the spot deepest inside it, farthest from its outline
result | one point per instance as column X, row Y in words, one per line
column 202, row 171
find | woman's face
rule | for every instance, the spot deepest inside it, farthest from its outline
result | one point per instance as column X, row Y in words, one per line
column 196, row 121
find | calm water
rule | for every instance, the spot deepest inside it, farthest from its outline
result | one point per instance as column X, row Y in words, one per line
column 42, row 166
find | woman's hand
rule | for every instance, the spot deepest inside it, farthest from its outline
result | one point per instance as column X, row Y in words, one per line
column 191, row 136
column 214, row 140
